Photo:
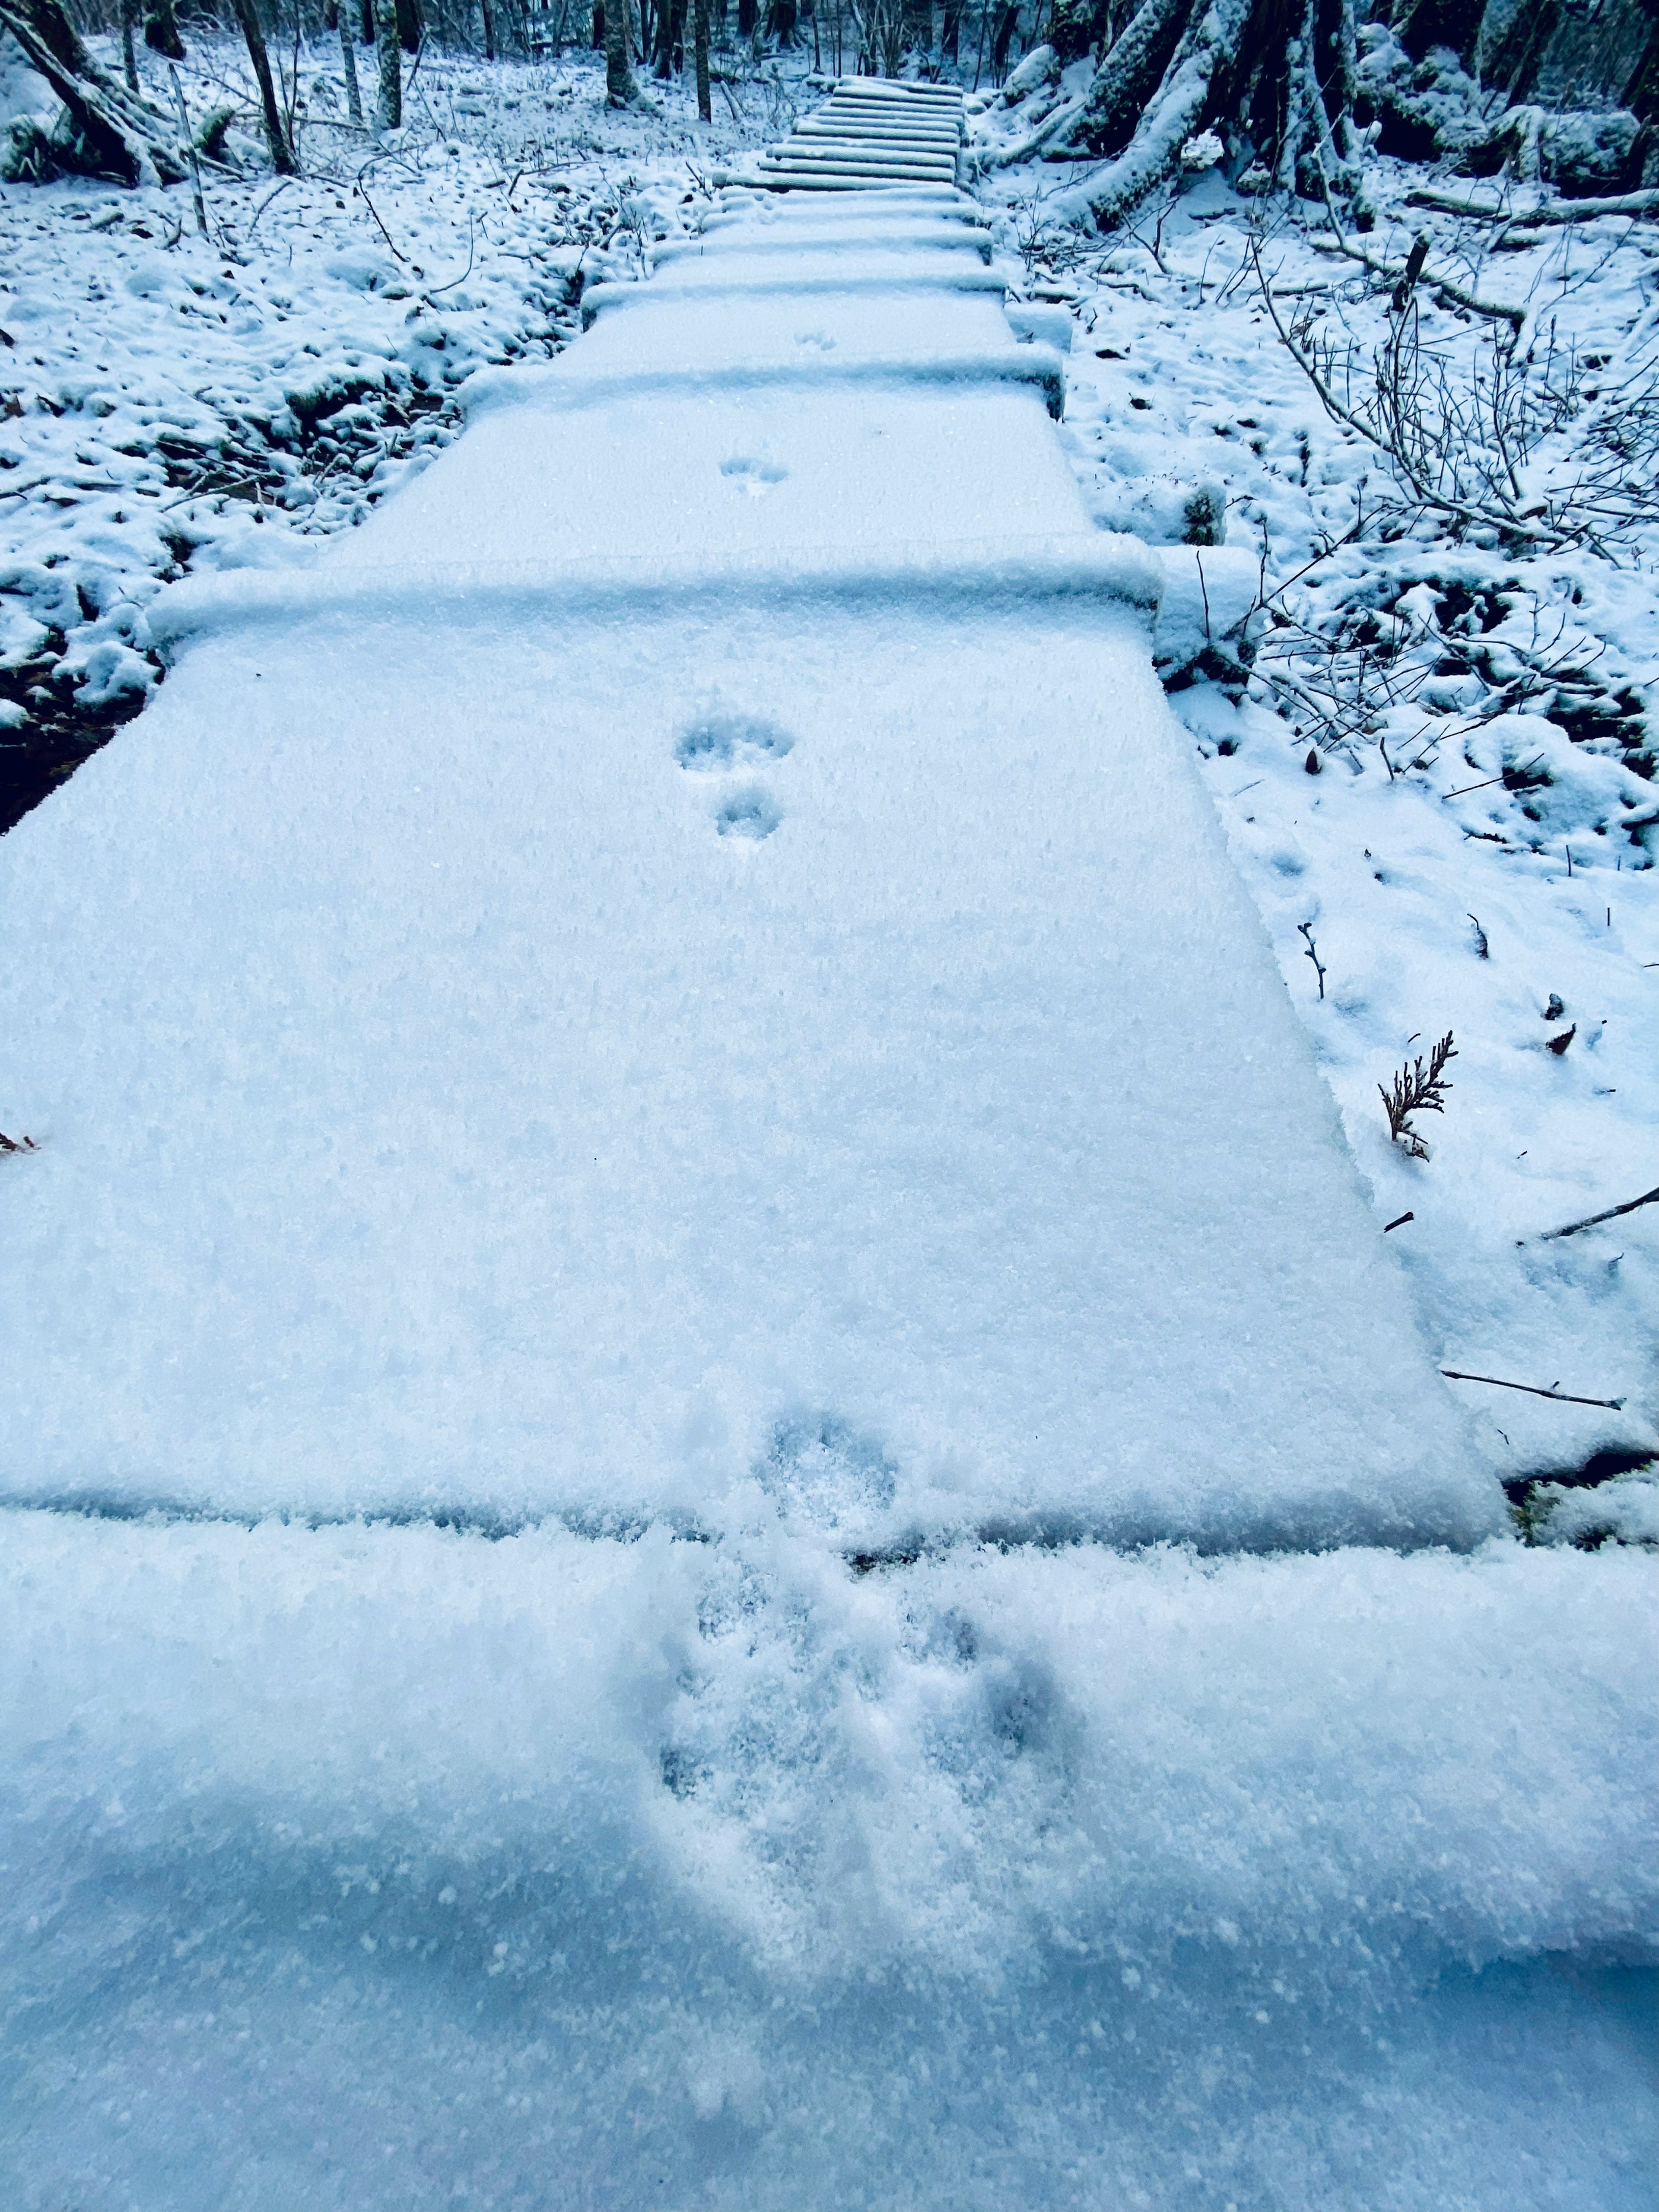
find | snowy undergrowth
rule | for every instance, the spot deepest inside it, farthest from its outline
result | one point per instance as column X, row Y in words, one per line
column 174, row 401
column 1437, row 773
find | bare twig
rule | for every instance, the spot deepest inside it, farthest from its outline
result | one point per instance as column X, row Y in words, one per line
column 1305, row 929
column 263, row 204
column 1404, row 277
column 1647, row 1198
column 1563, row 1397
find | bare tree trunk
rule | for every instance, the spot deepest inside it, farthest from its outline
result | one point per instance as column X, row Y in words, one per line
column 619, row 87
column 282, row 158
column 389, row 109
column 700, row 48
column 129, row 58
column 1007, row 23
column 349, row 68
column 161, row 31
column 115, row 135
column 488, row 30
column 411, row 27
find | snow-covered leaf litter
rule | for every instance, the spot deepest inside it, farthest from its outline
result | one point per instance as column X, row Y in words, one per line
column 1476, row 851
column 171, row 403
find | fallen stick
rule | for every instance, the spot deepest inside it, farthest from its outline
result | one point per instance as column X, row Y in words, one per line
column 1557, row 211
column 1431, row 280
column 1565, row 1397
column 1647, row 1198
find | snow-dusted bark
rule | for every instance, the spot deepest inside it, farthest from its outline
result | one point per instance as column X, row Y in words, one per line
column 1129, row 75
column 390, row 113
column 700, row 56
column 619, row 87
column 349, row 67
column 112, row 133
column 1180, row 107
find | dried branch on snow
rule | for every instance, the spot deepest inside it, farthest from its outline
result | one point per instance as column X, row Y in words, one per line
column 1418, row 1091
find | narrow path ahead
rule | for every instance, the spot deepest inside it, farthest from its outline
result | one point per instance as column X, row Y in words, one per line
column 693, row 929
column 677, row 1003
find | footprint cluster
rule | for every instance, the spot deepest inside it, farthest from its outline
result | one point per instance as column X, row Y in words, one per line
column 730, row 746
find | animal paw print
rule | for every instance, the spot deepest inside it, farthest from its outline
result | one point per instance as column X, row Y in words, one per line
column 721, row 744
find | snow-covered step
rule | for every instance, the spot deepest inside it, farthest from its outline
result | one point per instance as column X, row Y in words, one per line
column 803, row 334
column 869, row 130
column 876, row 269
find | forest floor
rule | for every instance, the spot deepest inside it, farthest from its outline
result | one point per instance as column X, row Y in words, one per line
column 1434, row 756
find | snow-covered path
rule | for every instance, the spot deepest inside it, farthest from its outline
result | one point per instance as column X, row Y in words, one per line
column 642, row 1008
column 672, row 954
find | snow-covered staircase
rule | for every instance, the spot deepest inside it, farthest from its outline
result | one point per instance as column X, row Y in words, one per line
column 676, row 1004
column 746, row 713
column 872, row 132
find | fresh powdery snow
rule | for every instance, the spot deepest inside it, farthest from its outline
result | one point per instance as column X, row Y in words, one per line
column 719, row 1492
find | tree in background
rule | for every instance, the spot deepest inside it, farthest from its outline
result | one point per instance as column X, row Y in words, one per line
column 389, row 108
column 700, row 49
column 620, row 89
column 282, row 154
column 162, row 32
column 1279, row 81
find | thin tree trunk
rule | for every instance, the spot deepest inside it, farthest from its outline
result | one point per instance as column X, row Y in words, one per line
column 700, row 48
column 619, row 87
column 411, row 28
column 1007, row 24
column 389, row 110
column 282, row 159
column 128, row 56
column 489, row 29
column 349, row 69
